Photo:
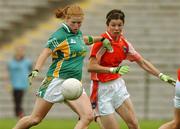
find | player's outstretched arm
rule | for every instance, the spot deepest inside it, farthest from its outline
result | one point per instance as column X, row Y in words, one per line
column 39, row 63
column 167, row 78
column 150, row 68
column 42, row 58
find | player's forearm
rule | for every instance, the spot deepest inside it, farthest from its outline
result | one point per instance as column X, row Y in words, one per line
column 150, row 68
column 92, row 39
column 42, row 58
column 97, row 38
column 98, row 68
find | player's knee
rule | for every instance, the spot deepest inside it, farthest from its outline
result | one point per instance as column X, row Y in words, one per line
column 36, row 120
column 133, row 124
column 88, row 117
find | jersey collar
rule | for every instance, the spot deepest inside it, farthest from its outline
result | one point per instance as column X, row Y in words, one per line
column 68, row 29
column 111, row 37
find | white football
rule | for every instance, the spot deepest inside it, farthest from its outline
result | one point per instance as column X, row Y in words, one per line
column 72, row 89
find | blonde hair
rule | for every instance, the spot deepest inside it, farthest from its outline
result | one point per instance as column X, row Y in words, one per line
column 69, row 11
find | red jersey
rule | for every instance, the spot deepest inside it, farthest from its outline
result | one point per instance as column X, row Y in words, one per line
column 178, row 74
column 122, row 50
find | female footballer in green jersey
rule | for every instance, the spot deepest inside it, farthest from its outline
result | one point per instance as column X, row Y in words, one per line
column 68, row 48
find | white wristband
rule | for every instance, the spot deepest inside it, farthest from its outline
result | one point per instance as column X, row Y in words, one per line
column 160, row 75
column 111, row 70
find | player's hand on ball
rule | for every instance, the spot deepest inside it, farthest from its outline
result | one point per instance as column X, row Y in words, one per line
column 120, row 70
column 167, row 79
column 107, row 44
column 33, row 74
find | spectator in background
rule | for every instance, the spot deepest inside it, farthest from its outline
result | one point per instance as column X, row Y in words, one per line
column 18, row 68
column 175, row 123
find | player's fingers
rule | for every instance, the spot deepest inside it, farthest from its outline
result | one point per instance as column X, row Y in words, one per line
column 172, row 83
column 30, row 80
column 125, row 70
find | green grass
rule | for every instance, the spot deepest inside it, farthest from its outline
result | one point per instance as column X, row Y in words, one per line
column 69, row 124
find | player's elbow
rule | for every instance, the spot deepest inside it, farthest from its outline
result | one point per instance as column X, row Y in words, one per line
column 91, row 68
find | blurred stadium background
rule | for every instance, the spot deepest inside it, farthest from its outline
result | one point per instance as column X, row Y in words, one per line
column 151, row 25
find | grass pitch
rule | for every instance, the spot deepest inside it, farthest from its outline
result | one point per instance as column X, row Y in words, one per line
column 69, row 124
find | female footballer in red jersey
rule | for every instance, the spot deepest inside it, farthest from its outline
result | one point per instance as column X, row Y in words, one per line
column 108, row 90
column 175, row 123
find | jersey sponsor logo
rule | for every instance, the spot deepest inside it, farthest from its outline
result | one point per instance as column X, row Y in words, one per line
column 81, row 53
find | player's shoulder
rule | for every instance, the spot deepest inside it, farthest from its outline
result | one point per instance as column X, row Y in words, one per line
column 126, row 41
column 124, row 38
column 58, row 35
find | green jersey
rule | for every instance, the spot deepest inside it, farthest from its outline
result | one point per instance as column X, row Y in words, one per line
column 68, row 52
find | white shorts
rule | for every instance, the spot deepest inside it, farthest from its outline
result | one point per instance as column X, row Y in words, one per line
column 177, row 95
column 50, row 90
column 111, row 95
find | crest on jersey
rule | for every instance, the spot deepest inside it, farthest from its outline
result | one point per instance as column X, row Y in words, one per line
column 125, row 49
column 72, row 41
